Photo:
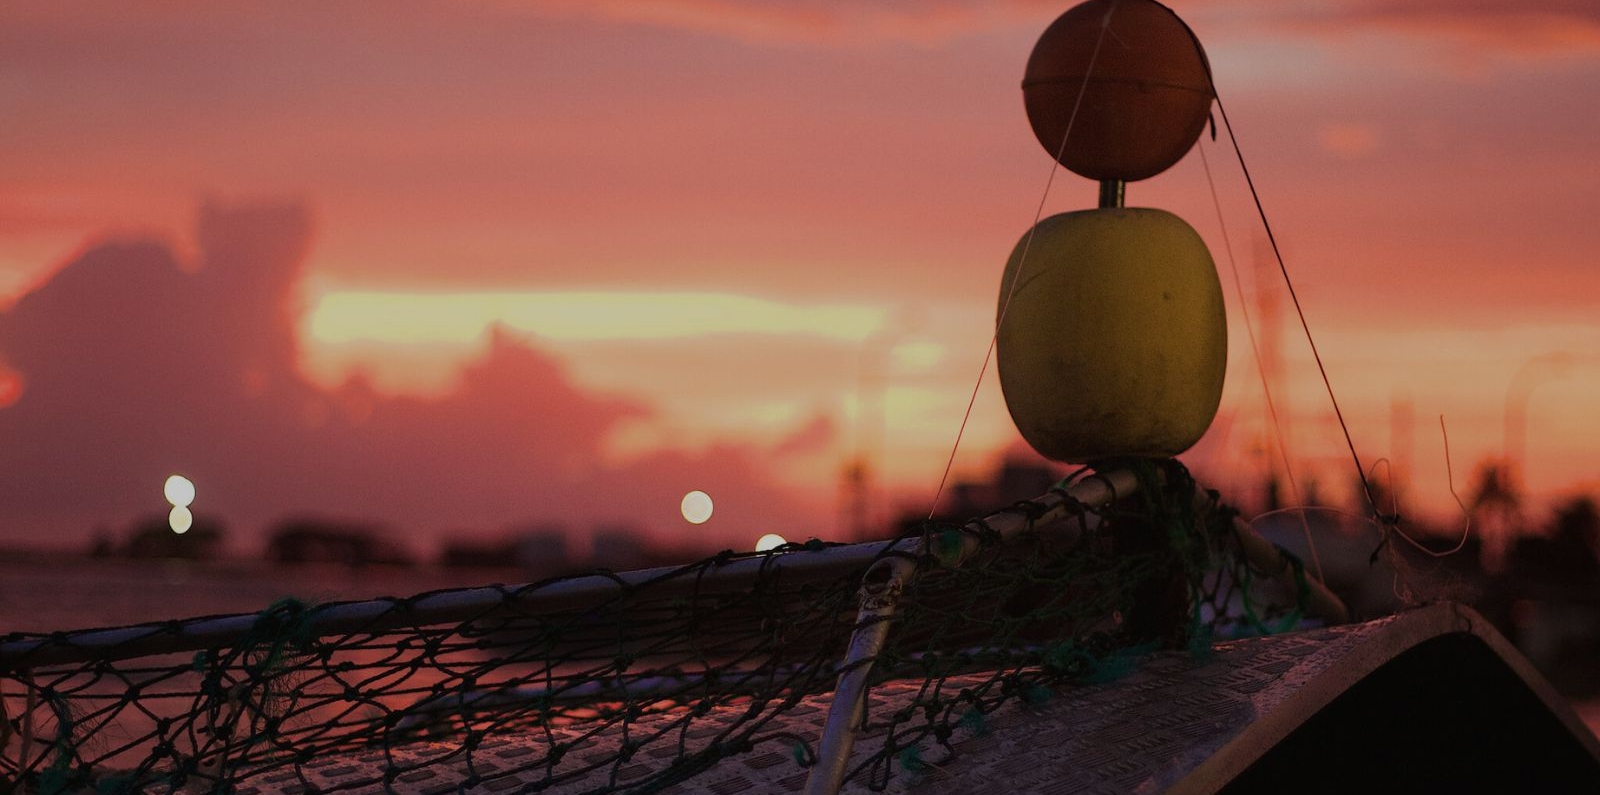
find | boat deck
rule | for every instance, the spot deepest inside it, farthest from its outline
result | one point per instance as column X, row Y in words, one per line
column 1181, row 723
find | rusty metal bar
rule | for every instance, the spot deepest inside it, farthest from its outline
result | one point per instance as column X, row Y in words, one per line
column 1268, row 559
column 880, row 596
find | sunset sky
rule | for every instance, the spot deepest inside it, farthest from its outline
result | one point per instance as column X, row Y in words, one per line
column 459, row 266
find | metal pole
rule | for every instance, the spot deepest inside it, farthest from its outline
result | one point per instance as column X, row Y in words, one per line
column 1113, row 193
column 1268, row 559
column 1519, row 391
column 881, row 588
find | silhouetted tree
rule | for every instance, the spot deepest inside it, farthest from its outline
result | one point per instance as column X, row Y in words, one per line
column 153, row 538
column 1562, row 560
column 1496, row 507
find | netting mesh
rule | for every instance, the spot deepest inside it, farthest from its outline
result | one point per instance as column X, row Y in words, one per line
column 589, row 675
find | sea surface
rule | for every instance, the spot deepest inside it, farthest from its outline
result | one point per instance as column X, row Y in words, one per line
column 44, row 593
column 47, row 593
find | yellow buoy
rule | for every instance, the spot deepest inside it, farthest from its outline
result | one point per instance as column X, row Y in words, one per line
column 1114, row 340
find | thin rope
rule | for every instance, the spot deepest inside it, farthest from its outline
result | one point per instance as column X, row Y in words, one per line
column 1450, row 481
column 1322, row 509
column 1394, row 486
column 1305, row 326
column 1261, row 370
column 1022, row 258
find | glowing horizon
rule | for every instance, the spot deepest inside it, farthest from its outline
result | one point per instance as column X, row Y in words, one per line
column 577, row 316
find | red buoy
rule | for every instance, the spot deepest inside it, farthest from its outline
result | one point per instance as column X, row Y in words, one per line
column 1145, row 92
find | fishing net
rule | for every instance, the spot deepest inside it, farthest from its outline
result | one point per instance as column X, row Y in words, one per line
column 589, row 675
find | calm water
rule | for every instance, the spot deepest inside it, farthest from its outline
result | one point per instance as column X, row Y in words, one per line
column 49, row 594
column 43, row 594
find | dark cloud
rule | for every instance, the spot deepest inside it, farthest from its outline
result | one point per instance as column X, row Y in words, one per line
column 809, row 22
column 818, row 434
column 1512, row 24
column 136, row 364
column 1472, row 9
column 1525, row 26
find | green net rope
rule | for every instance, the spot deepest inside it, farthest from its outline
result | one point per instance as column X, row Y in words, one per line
column 591, row 675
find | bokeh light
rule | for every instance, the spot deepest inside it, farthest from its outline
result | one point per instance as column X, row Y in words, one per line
column 10, row 387
column 770, row 541
column 179, row 491
column 180, row 520
column 696, row 507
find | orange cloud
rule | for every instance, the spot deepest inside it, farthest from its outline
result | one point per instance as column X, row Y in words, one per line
column 1516, row 26
column 815, row 22
column 136, row 364
column 1350, row 140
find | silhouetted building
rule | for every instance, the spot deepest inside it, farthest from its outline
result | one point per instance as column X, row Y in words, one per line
column 542, row 550
column 479, row 554
column 321, row 541
column 153, row 537
column 1012, row 482
column 617, row 547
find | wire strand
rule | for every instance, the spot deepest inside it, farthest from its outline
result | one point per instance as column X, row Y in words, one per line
column 1261, row 369
column 1450, row 481
column 1022, row 258
column 1305, row 326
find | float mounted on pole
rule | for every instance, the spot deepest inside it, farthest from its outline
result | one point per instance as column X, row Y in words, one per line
column 1111, row 335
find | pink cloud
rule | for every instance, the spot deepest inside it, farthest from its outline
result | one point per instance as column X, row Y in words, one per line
column 136, row 363
column 817, row 434
column 1518, row 26
column 1350, row 140
column 814, row 22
